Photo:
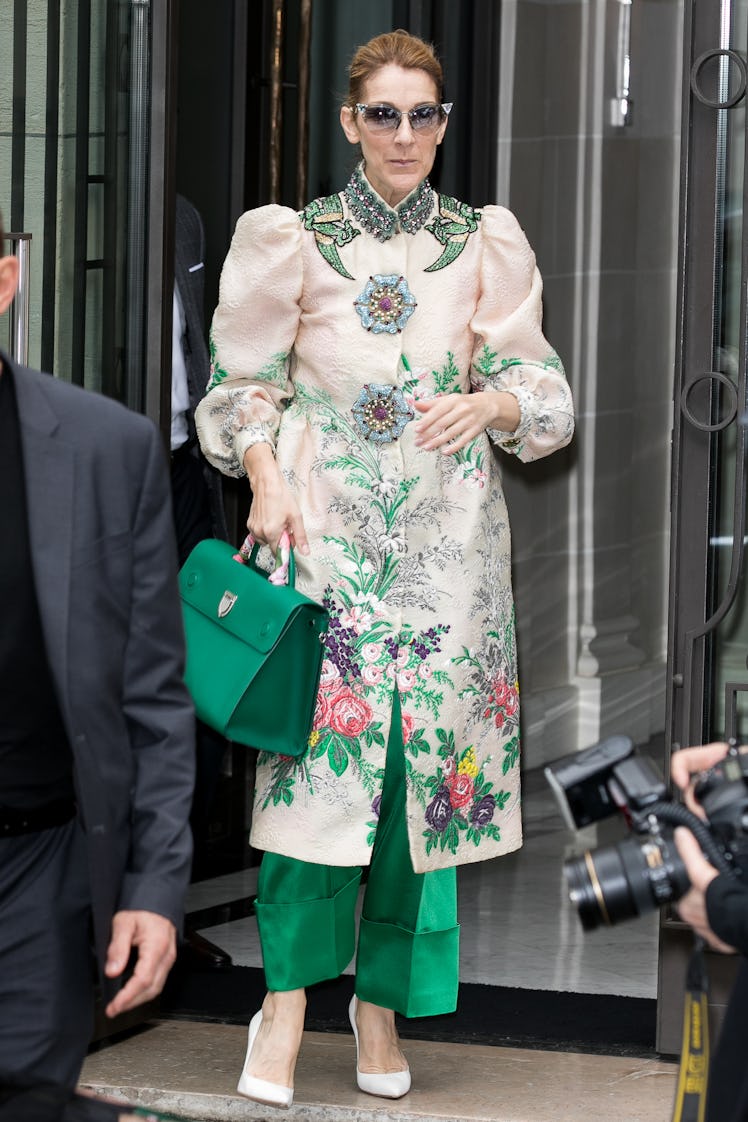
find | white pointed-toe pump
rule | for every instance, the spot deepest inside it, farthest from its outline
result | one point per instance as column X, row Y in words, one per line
column 387, row 1085
column 261, row 1090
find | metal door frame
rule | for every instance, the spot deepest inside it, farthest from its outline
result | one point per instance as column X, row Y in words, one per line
column 694, row 608
column 161, row 192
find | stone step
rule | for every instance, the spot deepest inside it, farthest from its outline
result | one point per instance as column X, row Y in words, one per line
column 191, row 1069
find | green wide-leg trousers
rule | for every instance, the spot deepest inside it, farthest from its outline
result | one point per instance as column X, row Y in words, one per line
column 408, row 941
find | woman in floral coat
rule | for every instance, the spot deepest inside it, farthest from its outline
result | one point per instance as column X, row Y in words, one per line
column 370, row 356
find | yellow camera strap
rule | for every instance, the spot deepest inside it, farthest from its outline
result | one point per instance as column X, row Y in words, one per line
column 690, row 1094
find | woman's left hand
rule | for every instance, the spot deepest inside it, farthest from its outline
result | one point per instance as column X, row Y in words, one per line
column 451, row 421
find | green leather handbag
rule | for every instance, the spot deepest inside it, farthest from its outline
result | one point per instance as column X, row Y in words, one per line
column 254, row 648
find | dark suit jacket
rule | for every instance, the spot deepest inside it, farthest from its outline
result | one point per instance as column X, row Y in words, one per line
column 189, row 274
column 104, row 565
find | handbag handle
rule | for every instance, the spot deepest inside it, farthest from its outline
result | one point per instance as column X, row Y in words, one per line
column 285, row 563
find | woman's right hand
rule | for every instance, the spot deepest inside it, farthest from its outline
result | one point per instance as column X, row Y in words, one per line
column 273, row 509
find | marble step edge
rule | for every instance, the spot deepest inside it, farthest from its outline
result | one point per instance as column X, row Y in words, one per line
column 193, row 1107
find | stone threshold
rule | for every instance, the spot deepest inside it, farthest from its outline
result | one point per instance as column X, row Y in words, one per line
column 190, row 1068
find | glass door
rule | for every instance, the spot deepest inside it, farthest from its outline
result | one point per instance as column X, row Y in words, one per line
column 84, row 174
column 708, row 630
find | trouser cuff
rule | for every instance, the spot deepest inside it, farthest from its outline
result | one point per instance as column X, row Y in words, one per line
column 307, row 941
column 414, row 973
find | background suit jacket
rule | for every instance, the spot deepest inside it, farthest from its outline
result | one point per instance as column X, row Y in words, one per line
column 104, row 565
column 189, row 274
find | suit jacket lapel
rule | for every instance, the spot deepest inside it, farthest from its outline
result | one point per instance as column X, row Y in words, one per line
column 49, row 467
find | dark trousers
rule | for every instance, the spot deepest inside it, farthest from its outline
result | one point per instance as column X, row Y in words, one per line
column 46, row 965
column 190, row 500
column 193, row 523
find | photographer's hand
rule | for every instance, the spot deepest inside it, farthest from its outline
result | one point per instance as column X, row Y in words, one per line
column 688, row 762
column 692, row 907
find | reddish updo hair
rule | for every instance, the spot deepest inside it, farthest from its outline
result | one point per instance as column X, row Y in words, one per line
column 398, row 47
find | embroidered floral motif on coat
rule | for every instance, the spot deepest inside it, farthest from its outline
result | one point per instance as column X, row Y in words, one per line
column 410, row 549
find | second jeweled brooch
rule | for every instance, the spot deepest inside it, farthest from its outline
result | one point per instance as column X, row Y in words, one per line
column 381, row 413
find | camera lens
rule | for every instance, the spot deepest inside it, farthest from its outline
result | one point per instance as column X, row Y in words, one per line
column 598, row 887
column 625, row 880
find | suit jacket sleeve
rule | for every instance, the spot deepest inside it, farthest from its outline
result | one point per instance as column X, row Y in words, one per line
column 157, row 708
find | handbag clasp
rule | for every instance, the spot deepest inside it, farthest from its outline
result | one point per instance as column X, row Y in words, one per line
column 226, row 603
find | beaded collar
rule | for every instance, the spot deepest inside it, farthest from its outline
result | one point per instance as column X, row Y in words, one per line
column 377, row 218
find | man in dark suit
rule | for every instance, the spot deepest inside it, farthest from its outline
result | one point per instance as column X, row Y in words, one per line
column 196, row 486
column 96, row 728
column 197, row 498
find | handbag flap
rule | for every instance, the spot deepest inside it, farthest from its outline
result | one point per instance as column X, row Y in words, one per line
column 237, row 598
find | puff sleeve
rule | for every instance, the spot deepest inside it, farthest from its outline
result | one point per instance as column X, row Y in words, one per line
column 511, row 352
column 252, row 337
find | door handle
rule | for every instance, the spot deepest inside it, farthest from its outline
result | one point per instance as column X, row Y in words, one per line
column 19, row 309
column 728, row 101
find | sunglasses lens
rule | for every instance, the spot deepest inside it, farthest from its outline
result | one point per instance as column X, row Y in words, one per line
column 425, row 117
column 381, row 118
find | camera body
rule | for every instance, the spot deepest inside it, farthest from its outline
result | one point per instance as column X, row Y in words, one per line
column 644, row 871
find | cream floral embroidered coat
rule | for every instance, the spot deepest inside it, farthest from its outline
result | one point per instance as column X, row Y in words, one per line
column 330, row 323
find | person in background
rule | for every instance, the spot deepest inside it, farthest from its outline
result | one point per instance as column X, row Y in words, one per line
column 96, row 726
column 370, row 355
column 197, row 498
column 196, row 486
column 716, row 906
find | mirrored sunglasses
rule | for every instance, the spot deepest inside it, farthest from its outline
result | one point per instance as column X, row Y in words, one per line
column 386, row 118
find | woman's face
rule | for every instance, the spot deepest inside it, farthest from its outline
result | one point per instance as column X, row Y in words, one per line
column 396, row 161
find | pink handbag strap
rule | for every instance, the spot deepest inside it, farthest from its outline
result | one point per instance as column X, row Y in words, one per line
column 279, row 574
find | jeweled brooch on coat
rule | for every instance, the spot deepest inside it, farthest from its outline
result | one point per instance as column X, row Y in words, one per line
column 386, row 304
column 381, row 413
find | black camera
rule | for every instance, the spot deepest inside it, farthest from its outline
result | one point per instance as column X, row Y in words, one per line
column 644, row 872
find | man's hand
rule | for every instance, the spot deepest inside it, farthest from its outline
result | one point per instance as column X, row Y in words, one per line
column 155, row 938
column 692, row 906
